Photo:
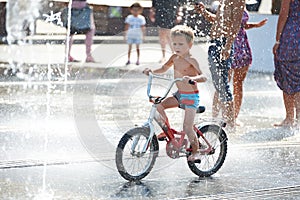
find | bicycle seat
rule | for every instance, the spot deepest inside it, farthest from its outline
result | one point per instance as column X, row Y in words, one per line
column 200, row 109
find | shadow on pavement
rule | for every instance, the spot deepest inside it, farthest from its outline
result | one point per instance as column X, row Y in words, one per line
column 134, row 189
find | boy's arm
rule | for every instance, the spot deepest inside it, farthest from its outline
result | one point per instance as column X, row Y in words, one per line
column 165, row 67
column 200, row 77
column 162, row 69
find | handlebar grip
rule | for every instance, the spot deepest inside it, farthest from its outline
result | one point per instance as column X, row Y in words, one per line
column 192, row 82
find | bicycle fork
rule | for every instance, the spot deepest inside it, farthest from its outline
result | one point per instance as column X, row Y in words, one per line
column 148, row 124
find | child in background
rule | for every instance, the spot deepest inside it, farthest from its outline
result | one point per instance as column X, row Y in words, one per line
column 186, row 67
column 135, row 29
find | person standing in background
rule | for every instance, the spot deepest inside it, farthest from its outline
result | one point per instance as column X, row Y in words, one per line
column 165, row 12
column 135, row 30
column 287, row 60
column 242, row 59
column 226, row 24
column 79, row 4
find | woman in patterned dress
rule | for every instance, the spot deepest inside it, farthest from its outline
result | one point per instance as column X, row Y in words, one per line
column 287, row 59
column 241, row 62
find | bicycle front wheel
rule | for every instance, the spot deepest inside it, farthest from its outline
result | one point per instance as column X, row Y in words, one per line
column 132, row 163
column 212, row 161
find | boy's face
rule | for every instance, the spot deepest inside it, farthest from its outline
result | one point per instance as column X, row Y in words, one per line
column 135, row 11
column 180, row 45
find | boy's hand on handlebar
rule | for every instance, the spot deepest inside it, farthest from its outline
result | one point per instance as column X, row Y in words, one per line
column 188, row 80
column 147, row 71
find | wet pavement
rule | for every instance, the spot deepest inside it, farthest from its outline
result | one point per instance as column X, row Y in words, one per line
column 58, row 138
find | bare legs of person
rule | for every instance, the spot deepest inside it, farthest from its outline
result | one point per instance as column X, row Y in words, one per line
column 216, row 105
column 239, row 75
column 129, row 53
column 170, row 102
column 227, row 109
column 70, row 41
column 137, row 51
column 89, row 40
column 138, row 54
column 88, row 44
column 291, row 104
column 189, row 117
column 164, row 39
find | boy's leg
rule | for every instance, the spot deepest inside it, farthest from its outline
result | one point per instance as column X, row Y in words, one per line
column 170, row 102
column 138, row 54
column 189, row 130
column 129, row 52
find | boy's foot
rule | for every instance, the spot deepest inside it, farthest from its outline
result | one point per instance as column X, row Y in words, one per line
column 137, row 62
column 195, row 157
column 162, row 136
column 89, row 59
column 128, row 62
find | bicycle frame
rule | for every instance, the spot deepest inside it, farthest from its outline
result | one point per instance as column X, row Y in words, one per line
column 170, row 133
column 136, row 162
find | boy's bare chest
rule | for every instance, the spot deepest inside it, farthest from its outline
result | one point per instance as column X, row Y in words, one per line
column 184, row 68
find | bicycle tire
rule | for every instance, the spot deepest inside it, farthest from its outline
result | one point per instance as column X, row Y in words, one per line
column 141, row 159
column 209, row 165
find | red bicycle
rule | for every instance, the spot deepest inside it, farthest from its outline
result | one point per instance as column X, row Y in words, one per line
column 138, row 149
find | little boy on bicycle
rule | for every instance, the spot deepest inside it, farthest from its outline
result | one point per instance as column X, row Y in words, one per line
column 186, row 67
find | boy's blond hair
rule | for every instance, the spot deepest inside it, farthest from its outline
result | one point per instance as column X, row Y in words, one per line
column 182, row 30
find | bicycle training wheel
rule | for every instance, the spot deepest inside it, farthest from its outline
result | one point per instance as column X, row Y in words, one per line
column 210, row 162
column 132, row 163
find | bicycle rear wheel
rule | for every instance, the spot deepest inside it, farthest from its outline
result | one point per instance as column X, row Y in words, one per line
column 131, row 162
column 213, row 161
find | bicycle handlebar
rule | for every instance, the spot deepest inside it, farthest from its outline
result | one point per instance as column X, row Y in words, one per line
column 173, row 81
